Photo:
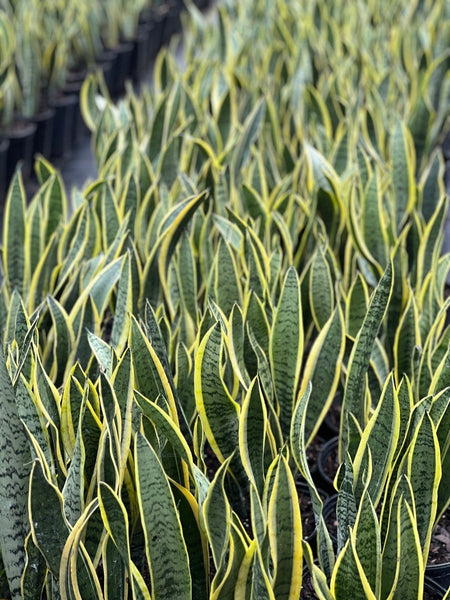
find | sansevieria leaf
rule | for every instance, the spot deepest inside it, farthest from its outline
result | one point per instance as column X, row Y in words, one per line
column 380, row 437
column 286, row 347
column 55, row 203
column 115, row 518
column 218, row 411
column 346, row 581
column 401, row 492
column 164, row 543
column 251, row 128
column 49, row 527
column 406, row 338
column 322, row 369
column 124, row 307
column 172, row 228
column 368, row 542
column 151, row 378
column 77, row 576
column 355, row 388
column 217, row 515
column 189, row 512
column 424, row 472
column 374, row 228
column 91, row 112
column 285, row 534
column 410, row 571
column 167, row 427
column 321, row 295
column 298, row 447
column 15, row 468
column 227, row 581
column 403, row 165
column 252, row 432
column 34, row 575
column 14, row 226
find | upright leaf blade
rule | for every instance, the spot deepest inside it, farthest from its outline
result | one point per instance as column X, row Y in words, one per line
column 286, row 347
column 164, row 543
column 217, row 515
column 355, row 391
column 403, row 165
column 15, row 460
column 218, row 411
column 14, row 265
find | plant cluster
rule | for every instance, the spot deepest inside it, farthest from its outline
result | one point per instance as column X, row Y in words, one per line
column 266, row 230
column 43, row 40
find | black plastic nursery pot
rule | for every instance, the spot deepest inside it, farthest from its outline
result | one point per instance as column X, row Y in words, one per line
column 21, row 140
column 202, row 4
column 432, row 590
column 140, row 59
column 330, row 425
column 4, row 146
column 44, row 122
column 438, row 567
column 105, row 62
column 145, row 16
column 172, row 23
column 121, row 67
column 327, row 465
column 152, row 21
column 155, row 37
column 79, row 128
column 439, row 575
column 65, row 107
column 77, row 75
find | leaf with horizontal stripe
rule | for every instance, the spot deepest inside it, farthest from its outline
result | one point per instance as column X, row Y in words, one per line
column 403, row 169
column 285, row 534
column 321, row 294
column 345, row 583
column 252, row 435
column 49, row 527
column 381, row 438
column 164, row 543
column 217, row 515
column 14, row 472
column 424, row 472
column 115, row 518
column 409, row 578
column 219, row 413
column 286, row 347
column 322, row 369
column 354, row 400
column 14, row 228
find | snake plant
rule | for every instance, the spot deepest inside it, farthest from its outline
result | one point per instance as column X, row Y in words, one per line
column 260, row 235
column 8, row 80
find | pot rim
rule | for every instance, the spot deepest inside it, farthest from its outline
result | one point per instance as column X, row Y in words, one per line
column 28, row 130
